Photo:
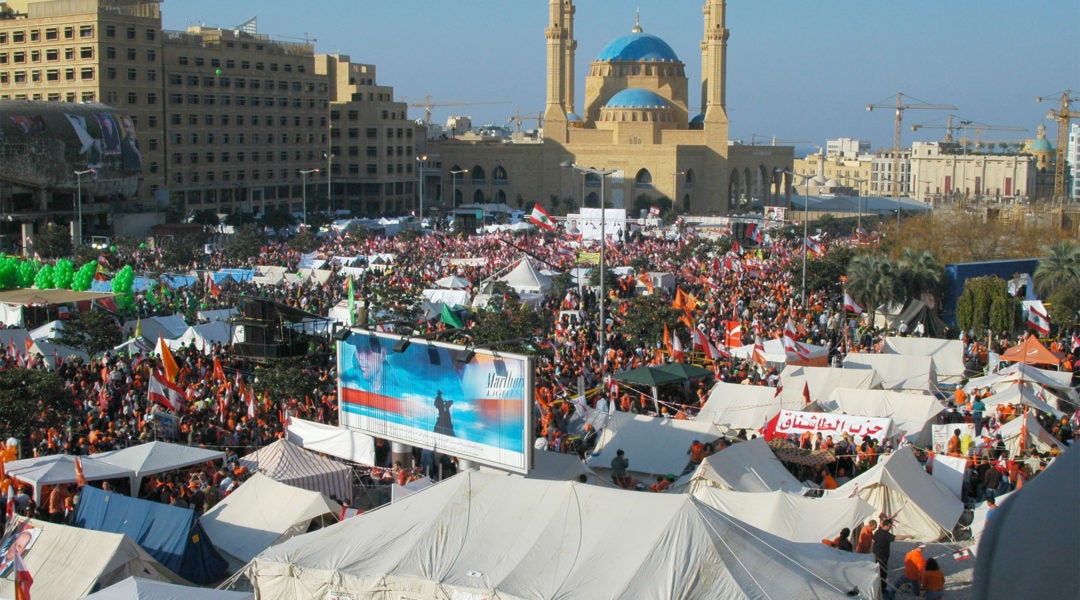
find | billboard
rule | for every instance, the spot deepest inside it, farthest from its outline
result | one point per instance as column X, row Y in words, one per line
column 426, row 394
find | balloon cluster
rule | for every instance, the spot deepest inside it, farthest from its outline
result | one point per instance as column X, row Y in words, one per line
column 63, row 274
column 44, row 279
column 84, row 277
column 121, row 286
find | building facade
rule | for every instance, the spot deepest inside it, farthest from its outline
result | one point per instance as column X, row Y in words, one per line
column 943, row 172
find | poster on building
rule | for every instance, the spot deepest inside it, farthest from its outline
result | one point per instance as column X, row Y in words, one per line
column 835, row 425
column 940, row 435
column 775, row 213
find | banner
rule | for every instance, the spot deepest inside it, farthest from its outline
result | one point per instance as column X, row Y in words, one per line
column 941, row 434
column 836, row 425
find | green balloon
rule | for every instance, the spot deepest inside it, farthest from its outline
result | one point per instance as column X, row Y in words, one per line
column 142, row 246
column 217, row 71
column 112, row 248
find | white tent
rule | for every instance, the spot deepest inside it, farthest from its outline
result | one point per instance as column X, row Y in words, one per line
column 49, row 331
column 792, row 517
column 744, row 406
column 221, row 314
column 1059, row 381
column 557, row 466
column 51, row 351
column 203, row 336
column 1037, row 436
column 171, row 326
column 525, row 278
column 912, row 413
column 775, row 352
column 821, row 381
column 155, row 457
column 14, row 338
column 897, row 372
column 543, row 539
column 69, row 562
column 447, row 296
column 746, row 467
column 60, row 468
column 343, row 443
column 653, row 445
column 137, row 588
column 948, row 355
column 1021, row 393
column 288, row 463
column 898, row 485
column 11, row 315
column 263, row 512
column 453, row 282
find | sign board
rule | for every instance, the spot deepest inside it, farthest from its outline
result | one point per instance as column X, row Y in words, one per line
column 475, row 404
column 833, row 424
column 775, row 213
column 941, row 434
column 587, row 223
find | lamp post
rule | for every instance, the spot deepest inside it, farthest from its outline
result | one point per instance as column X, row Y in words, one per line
column 77, row 233
column 329, row 156
column 805, row 227
column 303, row 190
column 453, row 186
column 603, row 174
column 420, row 160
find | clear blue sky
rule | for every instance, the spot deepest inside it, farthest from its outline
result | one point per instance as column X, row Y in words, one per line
column 799, row 70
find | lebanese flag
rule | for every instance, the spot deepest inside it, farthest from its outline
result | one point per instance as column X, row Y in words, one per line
column 165, row 392
column 806, row 393
column 716, row 353
column 654, row 211
column 1037, row 318
column 677, row 353
column 541, row 218
column 219, row 371
column 850, row 304
column 736, row 247
column 769, row 430
column 814, row 247
column 347, row 512
column 700, row 344
column 80, row 477
column 252, row 409
column 733, row 334
column 23, row 579
column 1075, row 342
column 791, row 345
column 215, row 290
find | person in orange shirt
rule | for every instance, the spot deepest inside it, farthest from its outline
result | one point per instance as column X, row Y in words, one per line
column 933, row 581
column 914, row 566
column 827, row 481
column 866, row 538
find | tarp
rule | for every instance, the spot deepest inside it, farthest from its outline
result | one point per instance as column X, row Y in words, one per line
column 49, row 331
column 746, row 467
column 1040, row 515
column 897, row 372
column 745, row 406
column 343, row 443
column 792, row 517
column 821, row 381
column 556, row 466
column 450, row 297
column 137, row 588
column 543, row 539
column 948, row 355
column 221, row 314
column 776, row 354
column 14, row 338
column 26, row 296
column 453, row 282
column 51, row 352
column 1022, row 393
column 525, row 278
column 650, row 376
column 60, row 468
column 171, row 534
column 899, row 486
column 11, row 315
column 653, row 445
column 1031, row 351
column 288, row 463
column 263, row 512
column 69, row 562
column 912, row 413
column 155, row 457
column 1059, row 381
column 1037, row 436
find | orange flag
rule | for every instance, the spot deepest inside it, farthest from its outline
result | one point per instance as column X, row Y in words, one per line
column 80, row 477
column 667, row 339
column 167, row 360
column 219, row 371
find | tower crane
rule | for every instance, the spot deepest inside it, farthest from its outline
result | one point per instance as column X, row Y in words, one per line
column 900, row 106
column 516, row 119
column 966, row 124
column 1062, row 116
column 427, row 105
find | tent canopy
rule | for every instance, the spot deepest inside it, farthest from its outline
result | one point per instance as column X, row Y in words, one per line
column 897, row 372
column 745, row 406
column 821, row 381
column 653, row 445
column 1037, row 436
column 948, row 355
column 790, row 516
column 777, row 354
column 650, row 376
column 918, row 313
column 432, row 545
column 343, row 443
column 288, row 463
column 138, row 588
column 1031, row 351
column 453, row 282
column 1021, row 393
column 60, row 468
column 1059, row 381
column 746, row 467
column 911, row 412
column 525, row 278
column 155, row 457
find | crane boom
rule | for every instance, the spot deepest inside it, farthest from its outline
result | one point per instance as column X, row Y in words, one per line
column 427, row 105
column 900, row 107
column 1062, row 116
column 965, row 124
column 516, row 118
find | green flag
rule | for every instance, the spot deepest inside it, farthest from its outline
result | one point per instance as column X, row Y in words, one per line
column 352, row 302
column 450, row 318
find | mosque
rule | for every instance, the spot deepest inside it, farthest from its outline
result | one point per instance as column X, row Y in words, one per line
column 638, row 123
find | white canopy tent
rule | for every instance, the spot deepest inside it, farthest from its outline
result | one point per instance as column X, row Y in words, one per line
column 261, row 513
column 948, row 355
column 50, row 352
column 447, row 296
column 821, row 381
column 776, row 354
column 899, row 486
column 912, row 413
column 203, row 336
column 746, row 467
column 1022, row 393
column 744, row 406
column 543, row 539
column 343, row 443
column 49, row 331
column 168, row 326
column 138, row 588
column 897, row 372
column 525, row 278
column 1059, row 381
column 1037, row 436
column 221, row 314
column 453, row 282
column 556, row 466
column 653, row 445
column 69, row 562
column 790, row 516
column 155, row 457
column 55, row 469
column 288, row 463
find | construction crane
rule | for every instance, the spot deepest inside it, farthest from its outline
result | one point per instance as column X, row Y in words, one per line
column 966, row 124
column 900, row 106
column 516, row 119
column 754, row 137
column 427, row 105
column 1062, row 116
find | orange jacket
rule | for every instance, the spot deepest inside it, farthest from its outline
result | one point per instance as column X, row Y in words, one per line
column 914, row 565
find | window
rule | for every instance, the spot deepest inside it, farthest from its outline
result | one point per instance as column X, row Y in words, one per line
column 151, row 56
column 110, row 31
column 69, row 33
column 193, row 158
column 86, row 73
column 86, row 52
column 151, row 35
column 86, row 31
column 193, row 119
column 273, row 66
column 52, row 75
column 69, row 75
column 52, row 33
column 110, row 72
column 87, row 97
column 18, row 36
column 151, row 74
column 200, row 61
column 175, row 119
column 50, row 54
column 35, row 75
column 371, row 132
column 182, row 60
column 151, row 98
column 18, row 57
column 151, row 121
column 3, row 58
column 132, row 74
column 176, row 99
column 69, row 54
column 4, row 79
column 130, row 53
column 208, row 120
column 132, row 98
column 35, row 35
column 129, row 32
column 35, row 56
column 177, row 139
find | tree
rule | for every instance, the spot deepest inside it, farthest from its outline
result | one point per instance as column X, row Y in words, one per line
column 823, row 273
column 645, row 317
column 508, row 322
column 93, row 331
column 1062, row 266
column 245, row 243
column 30, row 400
column 304, row 242
column 278, row 219
column 180, row 252
column 54, row 241
column 236, row 219
column 985, row 304
column 206, row 218
column 921, row 276
column 872, row 281
column 287, row 378
column 1063, row 305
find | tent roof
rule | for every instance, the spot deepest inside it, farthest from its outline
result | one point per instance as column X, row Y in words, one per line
column 433, row 545
column 138, row 588
column 747, row 467
column 525, row 278
column 790, row 516
column 649, row 375
column 343, row 443
column 823, row 380
column 60, row 468
column 68, row 562
column 899, row 485
column 556, row 466
column 1037, row 435
column 157, row 457
column 897, row 372
column 453, row 282
column 1020, row 393
column 909, row 411
column 288, row 463
column 745, row 406
column 917, row 312
column 168, row 326
column 654, row 445
column 948, row 355
column 26, row 296
column 775, row 352
column 1032, row 352
column 263, row 512
column 1060, row 381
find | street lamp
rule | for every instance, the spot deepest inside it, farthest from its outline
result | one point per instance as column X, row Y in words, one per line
column 77, row 233
column 453, row 186
column 420, row 160
column 303, row 190
column 329, row 156
column 805, row 228
column 603, row 174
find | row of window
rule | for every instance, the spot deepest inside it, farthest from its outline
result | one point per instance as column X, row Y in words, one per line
column 129, row 53
column 199, row 61
column 194, row 158
column 241, row 83
column 257, row 175
column 272, row 193
column 50, row 54
column 51, row 33
column 224, row 100
column 87, row 96
column 37, row 75
column 244, row 120
column 224, row 138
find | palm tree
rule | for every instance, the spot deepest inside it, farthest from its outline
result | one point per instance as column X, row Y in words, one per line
column 1062, row 266
column 920, row 275
column 872, row 281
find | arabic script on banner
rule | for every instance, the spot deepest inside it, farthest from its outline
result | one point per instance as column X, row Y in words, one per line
column 836, row 425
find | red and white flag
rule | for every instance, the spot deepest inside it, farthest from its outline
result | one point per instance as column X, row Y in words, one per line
column 791, row 345
column 733, row 334
column 541, row 218
column 23, row 579
column 851, row 305
column 814, row 247
column 252, row 409
column 698, row 340
column 716, row 353
column 806, row 393
column 1038, row 319
column 80, row 476
column 759, row 354
column 654, row 211
column 1075, row 342
column 677, row 353
column 212, row 286
column 165, row 392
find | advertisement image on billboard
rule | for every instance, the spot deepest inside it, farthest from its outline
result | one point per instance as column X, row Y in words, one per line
column 425, row 394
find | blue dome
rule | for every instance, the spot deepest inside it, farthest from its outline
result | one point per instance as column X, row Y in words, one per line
column 573, row 117
column 637, row 46
column 699, row 118
column 1040, row 145
column 637, row 98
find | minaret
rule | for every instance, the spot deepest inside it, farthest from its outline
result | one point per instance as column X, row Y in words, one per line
column 714, row 65
column 560, row 67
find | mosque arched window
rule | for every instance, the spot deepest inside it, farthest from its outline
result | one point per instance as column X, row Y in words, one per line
column 643, row 179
